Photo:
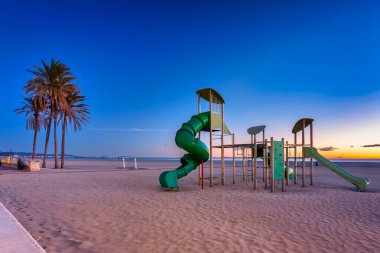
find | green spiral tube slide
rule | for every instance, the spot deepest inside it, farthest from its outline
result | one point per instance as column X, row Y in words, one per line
column 198, row 151
column 360, row 182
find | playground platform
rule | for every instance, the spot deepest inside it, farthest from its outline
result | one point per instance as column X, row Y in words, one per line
column 13, row 236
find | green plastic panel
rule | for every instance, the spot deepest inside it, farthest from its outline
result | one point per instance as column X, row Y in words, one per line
column 278, row 157
column 217, row 123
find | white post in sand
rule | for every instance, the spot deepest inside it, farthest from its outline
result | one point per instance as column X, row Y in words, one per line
column 123, row 162
column 135, row 164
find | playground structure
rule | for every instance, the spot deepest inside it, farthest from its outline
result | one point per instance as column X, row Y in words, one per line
column 300, row 126
column 275, row 155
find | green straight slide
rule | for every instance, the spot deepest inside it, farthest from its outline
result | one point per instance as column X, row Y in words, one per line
column 360, row 182
column 198, row 151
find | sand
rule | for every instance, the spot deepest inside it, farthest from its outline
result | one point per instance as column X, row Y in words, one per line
column 94, row 207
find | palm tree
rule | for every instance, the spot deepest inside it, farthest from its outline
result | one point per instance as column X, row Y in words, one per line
column 34, row 108
column 54, row 83
column 76, row 113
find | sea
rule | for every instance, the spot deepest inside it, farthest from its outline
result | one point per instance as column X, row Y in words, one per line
column 163, row 159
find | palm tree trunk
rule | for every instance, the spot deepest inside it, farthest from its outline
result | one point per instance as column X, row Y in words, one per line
column 47, row 140
column 36, row 129
column 55, row 143
column 34, row 144
column 63, row 142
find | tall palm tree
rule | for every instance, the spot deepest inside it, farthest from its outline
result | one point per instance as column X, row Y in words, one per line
column 75, row 113
column 54, row 82
column 34, row 108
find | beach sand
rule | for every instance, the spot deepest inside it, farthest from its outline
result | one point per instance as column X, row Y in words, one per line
column 94, row 207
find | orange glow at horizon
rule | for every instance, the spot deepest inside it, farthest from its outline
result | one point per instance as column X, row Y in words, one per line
column 353, row 153
column 340, row 153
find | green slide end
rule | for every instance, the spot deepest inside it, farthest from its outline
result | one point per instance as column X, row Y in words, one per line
column 360, row 182
column 198, row 151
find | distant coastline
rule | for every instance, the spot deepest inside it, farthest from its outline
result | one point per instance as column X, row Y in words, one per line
column 120, row 158
column 215, row 159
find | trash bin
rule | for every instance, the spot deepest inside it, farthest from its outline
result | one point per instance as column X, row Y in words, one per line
column 34, row 165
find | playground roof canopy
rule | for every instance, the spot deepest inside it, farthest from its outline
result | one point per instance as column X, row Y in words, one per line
column 298, row 126
column 255, row 130
column 205, row 94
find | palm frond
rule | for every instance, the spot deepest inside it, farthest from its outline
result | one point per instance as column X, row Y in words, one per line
column 34, row 108
column 77, row 113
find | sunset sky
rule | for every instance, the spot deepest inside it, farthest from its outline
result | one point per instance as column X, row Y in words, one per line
column 139, row 64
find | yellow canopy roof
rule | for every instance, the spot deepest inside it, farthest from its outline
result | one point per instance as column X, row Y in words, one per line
column 205, row 94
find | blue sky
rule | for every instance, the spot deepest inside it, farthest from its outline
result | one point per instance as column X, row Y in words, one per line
column 139, row 64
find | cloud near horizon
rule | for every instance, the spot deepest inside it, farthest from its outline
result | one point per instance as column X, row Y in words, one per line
column 327, row 149
column 371, row 146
